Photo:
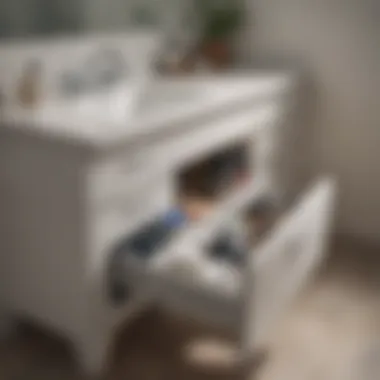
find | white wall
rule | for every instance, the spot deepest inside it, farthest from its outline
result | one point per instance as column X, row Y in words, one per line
column 101, row 15
column 339, row 41
column 31, row 18
column 173, row 17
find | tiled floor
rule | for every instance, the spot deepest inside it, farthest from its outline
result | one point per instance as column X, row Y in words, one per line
column 333, row 333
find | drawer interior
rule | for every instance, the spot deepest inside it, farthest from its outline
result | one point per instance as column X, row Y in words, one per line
column 201, row 190
column 201, row 184
column 210, row 285
column 220, row 259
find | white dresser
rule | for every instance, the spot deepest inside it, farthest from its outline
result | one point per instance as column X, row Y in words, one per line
column 75, row 178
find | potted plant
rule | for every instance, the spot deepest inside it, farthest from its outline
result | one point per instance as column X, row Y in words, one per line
column 220, row 20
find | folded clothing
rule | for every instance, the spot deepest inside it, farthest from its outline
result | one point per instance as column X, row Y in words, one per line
column 141, row 245
column 227, row 247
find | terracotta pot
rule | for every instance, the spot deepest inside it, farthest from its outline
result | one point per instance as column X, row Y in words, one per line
column 217, row 53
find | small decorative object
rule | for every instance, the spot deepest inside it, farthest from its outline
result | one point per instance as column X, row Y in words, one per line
column 71, row 83
column 220, row 21
column 29, row 89
column 105, row 68
column 101, row 71
column 205, row 33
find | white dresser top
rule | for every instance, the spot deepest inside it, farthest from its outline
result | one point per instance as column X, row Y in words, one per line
column 102, row 120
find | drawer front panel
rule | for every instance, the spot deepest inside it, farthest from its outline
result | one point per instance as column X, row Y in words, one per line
column 281, row 266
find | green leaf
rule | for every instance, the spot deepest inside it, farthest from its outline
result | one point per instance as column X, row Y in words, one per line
column 219, row 19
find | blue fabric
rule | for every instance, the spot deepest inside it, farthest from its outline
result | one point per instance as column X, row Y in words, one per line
column 175, row 218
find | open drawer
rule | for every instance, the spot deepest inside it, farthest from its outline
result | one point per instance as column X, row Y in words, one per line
column 257, row 292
